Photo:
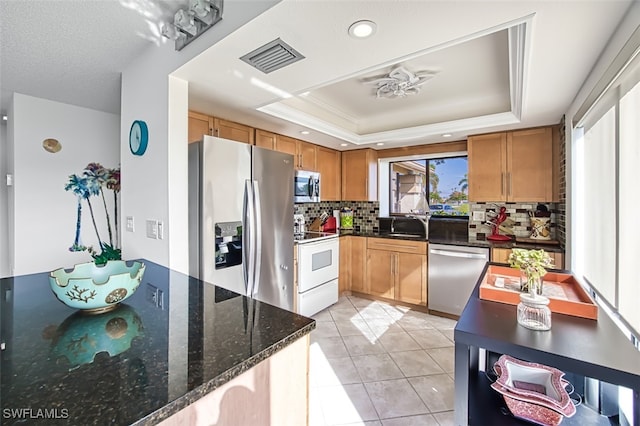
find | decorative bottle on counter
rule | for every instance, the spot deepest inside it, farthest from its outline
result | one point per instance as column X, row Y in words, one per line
column 534, row 312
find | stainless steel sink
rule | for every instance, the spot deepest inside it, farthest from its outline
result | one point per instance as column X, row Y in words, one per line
column 404, row 235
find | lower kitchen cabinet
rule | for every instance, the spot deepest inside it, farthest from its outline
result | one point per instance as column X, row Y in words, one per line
column 397, row 269
column 353, row 264
column 381, row 272
column 501, row 255
column 411, row 279
column 359, row 265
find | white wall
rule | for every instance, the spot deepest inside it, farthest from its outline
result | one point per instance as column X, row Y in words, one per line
column 154, row 186
column 622, row 34
column 4, row 202
column 43, row 214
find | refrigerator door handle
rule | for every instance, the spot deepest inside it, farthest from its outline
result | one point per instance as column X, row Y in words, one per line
column 248, row 237
column 257, row 262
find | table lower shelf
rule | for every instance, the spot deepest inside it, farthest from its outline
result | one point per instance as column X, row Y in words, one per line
column 486, row 407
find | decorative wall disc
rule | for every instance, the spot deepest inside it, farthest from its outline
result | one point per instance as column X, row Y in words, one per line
column 51, row 145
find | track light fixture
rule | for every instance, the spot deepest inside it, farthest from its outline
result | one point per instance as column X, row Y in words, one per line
column 189, row 24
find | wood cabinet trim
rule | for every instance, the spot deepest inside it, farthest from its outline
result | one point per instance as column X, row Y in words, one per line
column 405, row 246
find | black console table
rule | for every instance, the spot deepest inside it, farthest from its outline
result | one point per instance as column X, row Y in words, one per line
column 596, row 349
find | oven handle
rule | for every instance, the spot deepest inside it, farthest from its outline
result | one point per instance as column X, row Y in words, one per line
column 458, row 254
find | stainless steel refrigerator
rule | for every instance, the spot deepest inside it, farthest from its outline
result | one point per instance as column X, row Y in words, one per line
column 241, row 219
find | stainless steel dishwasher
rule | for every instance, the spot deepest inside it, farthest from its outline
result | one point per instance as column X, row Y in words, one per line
column 453, row 272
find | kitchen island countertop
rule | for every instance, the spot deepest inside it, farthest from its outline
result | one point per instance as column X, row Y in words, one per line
column 172, row 342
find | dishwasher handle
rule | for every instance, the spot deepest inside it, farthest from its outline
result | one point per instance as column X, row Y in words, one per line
column 458, row 254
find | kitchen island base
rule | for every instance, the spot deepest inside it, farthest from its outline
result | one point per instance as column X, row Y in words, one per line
column 274, row 392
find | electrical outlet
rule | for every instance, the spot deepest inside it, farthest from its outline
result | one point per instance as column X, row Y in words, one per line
column 478, row 216
column 155, row 296
column 152, row 229
column 130, row 225
column 9, row 179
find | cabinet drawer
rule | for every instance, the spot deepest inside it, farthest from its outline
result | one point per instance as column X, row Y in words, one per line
column 402, row 246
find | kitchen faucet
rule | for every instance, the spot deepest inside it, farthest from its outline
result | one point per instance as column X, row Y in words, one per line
column 425, row 221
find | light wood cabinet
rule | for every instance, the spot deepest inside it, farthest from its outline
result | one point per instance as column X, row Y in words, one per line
column 344, row 277
column 359, row 265
column 234, row 131
column 360, row 175
column 512, row 166
column 199, row 125
column 265, row 139
column 202, row 124
column 397, row 269
column 304, row 153
column 501, row 255
column 381, row 272
column 329, row 165
column 411, row 280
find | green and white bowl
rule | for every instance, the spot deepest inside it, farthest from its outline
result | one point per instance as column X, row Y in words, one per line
column 94, row 288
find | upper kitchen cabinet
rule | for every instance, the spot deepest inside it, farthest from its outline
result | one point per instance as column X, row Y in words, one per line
column 360, row 175
column 199, row 125
column 512, row 166
column 328, row 163
column 233, row 131
column 304, row 153
column 202, row 124
column 265, row 139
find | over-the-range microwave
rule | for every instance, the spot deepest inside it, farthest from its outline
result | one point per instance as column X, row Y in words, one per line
column 306, row 187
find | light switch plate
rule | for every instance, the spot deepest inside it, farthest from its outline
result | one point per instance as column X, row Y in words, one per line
column 152, row 229
column 130, row 225
column 160, row 230
column 478, row 216
column 9, row 179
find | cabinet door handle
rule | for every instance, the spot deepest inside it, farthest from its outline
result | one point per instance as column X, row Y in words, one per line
column 502, row 183
column 509, row 183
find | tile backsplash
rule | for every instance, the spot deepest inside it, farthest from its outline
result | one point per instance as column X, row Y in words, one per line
column 365, row 213
column 518, row 212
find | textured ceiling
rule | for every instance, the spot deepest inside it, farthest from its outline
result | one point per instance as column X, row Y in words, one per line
column 74, row 51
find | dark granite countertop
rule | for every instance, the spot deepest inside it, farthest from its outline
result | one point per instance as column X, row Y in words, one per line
column 173, row 341
column 467, row 243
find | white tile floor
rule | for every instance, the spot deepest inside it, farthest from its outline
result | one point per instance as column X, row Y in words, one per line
column 372, row 363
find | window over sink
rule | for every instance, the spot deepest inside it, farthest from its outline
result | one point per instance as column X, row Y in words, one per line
column 429, row 185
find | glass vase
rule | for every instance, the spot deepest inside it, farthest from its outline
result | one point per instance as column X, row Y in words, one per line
column 526, row 283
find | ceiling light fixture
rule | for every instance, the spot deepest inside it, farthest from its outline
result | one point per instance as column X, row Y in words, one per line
column 380, row 143
column 446, row 135
column 362, row 29
column 344, row 144
column 304, row 132
column 188, row 24
column 4, row 117
column 400, row 82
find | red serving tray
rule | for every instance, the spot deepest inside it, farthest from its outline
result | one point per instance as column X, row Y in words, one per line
column 566, row 295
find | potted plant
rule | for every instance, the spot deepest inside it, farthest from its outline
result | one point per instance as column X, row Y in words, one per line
column 533, row 266
column 533, row 310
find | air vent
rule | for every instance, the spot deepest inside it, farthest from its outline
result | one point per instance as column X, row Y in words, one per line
column 272, row 56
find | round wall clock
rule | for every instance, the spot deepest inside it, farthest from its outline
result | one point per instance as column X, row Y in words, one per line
column 138, row 137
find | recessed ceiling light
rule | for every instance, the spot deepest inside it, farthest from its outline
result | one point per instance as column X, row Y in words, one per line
column 304, row 132
column 362, row 29
column 380, row 143
column 344, row 144
column 5, row 118
column 446, row 135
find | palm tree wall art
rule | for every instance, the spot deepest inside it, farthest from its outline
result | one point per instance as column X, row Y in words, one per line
column 93, row 181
